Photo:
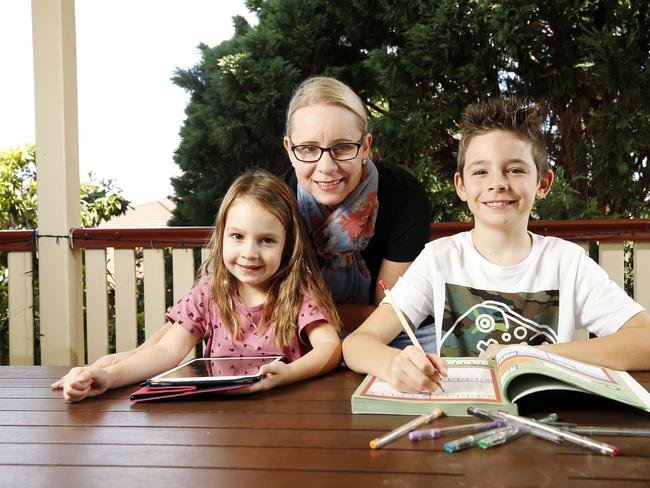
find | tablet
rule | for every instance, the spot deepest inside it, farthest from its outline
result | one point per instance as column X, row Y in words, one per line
column 214, row 371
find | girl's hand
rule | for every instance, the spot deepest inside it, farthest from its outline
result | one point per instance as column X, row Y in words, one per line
column 273, row 374
column 83, row 382
column 102, row 362
column 411, row 371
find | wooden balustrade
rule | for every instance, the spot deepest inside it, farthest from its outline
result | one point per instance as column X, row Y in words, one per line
column 116, row 259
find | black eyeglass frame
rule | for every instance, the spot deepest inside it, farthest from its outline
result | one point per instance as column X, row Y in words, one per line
column 358, row 144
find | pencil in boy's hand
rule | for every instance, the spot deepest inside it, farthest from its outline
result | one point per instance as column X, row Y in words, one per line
column 405, row 325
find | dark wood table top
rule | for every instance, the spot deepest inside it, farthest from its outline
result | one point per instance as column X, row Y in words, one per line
column 299, row 435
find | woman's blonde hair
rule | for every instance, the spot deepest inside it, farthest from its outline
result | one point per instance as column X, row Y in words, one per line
column 297, row 275
column 328, row 91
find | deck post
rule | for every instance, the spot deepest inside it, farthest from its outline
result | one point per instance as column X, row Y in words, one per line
column 57, row 171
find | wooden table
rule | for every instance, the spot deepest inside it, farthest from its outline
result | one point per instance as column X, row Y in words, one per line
column 300, row 435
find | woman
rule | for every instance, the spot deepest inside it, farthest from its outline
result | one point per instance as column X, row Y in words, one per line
column 368, row 220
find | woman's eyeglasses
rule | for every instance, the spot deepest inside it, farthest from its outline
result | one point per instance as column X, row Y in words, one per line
column 311, row 153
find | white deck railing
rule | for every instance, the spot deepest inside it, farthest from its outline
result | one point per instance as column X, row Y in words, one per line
column 117, row 259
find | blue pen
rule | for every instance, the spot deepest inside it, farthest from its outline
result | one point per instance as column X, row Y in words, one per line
column 465, row 442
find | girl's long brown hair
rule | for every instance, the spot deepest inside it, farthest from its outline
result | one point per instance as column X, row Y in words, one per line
column 298, row 274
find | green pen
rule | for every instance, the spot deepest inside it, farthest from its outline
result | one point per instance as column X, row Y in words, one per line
column 467, row 441
column 511, row 432
column 557, row 435
column 500, row 436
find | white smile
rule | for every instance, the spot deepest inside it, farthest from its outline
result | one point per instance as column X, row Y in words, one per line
column 329, row 184
column 498, row 203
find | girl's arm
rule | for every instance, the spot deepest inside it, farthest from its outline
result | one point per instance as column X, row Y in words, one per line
column 409, row 370
column 627, row 349
column 324, row 356
column 90, row 381
column 110, row 359
column 117, row 357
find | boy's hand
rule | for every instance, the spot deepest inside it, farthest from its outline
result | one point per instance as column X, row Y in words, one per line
column 274, row 374
column 83, row 382
column 411, row 371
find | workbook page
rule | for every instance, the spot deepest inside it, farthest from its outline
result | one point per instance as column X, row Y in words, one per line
column 468, row 380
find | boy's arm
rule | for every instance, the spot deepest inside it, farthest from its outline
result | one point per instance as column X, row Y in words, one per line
column 352, row 315
column 324, row 356
column 366, row 351
column 627, row 349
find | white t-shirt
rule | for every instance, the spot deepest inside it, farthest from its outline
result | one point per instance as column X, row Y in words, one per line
column 544, row 299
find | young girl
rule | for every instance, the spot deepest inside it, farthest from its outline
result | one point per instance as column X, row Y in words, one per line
column 261, row 293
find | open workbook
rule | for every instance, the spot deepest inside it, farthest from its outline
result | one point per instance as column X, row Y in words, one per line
column 496, row 384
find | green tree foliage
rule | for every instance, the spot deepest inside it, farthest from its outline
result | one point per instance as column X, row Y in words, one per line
column 18, row 188
column 589, row 62
column 100, row 200
column 240, row 91
column 417, row 64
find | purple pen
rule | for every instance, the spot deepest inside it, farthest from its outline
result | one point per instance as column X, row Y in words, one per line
column 418, row 435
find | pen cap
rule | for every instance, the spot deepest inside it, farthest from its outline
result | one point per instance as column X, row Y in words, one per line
column 482, row 414
column 418, row 435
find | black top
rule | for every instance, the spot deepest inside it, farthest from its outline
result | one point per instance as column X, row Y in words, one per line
column 403, row 224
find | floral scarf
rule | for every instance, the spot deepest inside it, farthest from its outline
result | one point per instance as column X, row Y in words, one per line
column 340, row 233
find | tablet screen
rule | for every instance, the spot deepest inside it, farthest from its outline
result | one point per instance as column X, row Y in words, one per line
column 214, row 370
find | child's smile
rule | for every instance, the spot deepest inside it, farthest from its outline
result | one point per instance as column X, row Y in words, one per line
column 253, row 242
column 498, row 203
column 500, row 181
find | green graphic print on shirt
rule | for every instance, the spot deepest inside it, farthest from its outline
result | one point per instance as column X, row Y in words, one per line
column 474, row 319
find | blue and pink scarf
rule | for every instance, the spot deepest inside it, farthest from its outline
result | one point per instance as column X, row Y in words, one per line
column 340, row 233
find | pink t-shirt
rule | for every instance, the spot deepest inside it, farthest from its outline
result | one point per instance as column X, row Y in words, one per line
column 198, row 314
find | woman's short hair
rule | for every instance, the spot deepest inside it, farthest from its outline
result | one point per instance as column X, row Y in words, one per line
column 328, row 91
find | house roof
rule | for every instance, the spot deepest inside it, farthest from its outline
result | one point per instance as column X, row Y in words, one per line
column 146, row 215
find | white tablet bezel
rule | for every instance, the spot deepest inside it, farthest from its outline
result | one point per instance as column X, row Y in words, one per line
column 163, row 380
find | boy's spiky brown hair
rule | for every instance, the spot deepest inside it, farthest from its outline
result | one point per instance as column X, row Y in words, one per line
column 511, row 113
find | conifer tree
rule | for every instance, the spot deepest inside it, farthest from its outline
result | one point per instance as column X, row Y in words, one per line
column 417, row 64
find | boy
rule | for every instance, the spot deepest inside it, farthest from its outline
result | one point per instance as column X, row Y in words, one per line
column 498, row 284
